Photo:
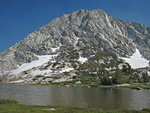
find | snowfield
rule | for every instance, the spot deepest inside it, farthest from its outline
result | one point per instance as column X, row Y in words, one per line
column 137, row 60
column 82, row 59
column 26, row 66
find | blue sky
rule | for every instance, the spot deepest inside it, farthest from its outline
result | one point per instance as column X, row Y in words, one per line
column 18, row 18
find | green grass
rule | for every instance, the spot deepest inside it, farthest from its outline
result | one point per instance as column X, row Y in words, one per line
column 10, row 106
column 72, row 84
column 134, row 86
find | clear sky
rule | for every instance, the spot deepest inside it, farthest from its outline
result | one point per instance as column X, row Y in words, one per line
column 18, row 18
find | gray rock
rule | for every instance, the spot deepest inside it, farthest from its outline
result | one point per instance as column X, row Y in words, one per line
column 81, row 29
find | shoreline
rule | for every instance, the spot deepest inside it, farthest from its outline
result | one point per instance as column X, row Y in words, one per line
column 138, row 86
column 11, row 105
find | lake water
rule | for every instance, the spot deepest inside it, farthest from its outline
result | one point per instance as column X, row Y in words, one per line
column 77, row 96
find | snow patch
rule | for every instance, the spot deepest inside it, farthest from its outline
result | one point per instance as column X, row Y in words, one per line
column 54, row 49
column 137, row 61
column 92, row 56
column 123, row 84
column 17, row 81
column 40, row 72
column 26, row 66
column 66, row 70
column 82, row 59
column 110, row 77
column 76, row 40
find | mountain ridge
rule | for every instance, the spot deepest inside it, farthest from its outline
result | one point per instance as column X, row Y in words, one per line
column 78, row 35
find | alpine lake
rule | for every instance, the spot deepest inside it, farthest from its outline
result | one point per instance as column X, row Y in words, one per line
column 106, row 98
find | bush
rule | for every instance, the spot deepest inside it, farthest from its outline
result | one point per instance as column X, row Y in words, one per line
column 105, row 80
column 7, row 101
column 145, row 78
column 38, row 76
column 146, row 109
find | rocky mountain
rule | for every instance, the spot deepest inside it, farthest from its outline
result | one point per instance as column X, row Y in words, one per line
column 69, row 45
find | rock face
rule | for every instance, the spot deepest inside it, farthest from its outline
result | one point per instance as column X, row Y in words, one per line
column 80, row 34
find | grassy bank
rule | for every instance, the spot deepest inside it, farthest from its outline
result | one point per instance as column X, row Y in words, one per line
column 131, row 86
column 11, row 106
column 70, row 84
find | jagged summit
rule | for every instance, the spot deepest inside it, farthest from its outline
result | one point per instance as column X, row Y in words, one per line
column 72, row 40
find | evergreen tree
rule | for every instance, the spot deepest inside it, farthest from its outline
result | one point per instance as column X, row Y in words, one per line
column 145, row 78
column 118, row 77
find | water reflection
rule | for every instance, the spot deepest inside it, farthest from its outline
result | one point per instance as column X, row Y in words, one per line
column 81, row 97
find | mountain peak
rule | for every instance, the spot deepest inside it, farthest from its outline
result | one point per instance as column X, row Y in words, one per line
column 75, row 36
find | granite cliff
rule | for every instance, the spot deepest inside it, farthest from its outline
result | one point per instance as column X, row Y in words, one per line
column 69, row 42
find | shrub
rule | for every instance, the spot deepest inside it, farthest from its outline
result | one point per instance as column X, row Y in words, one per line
column 38, row 76
column 146, row 109
column 7, row 101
